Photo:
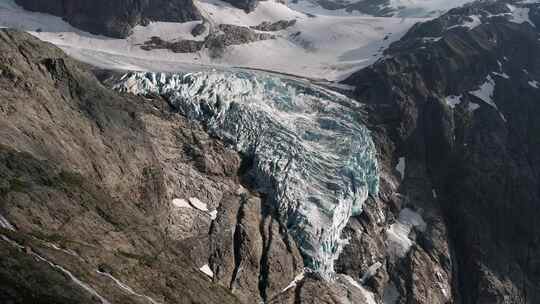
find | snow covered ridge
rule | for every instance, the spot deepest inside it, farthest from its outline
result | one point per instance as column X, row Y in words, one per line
column 310, row 154
column 518, row 12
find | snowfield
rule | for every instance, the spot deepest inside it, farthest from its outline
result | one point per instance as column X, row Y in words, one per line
column 396, row 8
column 318, row 46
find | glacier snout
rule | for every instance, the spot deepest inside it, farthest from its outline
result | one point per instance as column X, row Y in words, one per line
column 310, row 154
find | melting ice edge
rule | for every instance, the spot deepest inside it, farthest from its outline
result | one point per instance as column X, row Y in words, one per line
column 311, row 155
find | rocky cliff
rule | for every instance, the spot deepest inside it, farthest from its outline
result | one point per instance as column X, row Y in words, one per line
column 88, row 182
column 115, row 18
column 457, row 99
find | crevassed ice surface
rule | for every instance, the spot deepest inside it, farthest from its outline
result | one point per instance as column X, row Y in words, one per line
column 310, row 153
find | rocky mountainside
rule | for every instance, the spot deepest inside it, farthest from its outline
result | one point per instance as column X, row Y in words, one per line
column 457, row 98
column 200, row 187
column 87, row 182
column 115, row 18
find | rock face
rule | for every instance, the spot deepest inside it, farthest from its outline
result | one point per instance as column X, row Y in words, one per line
column 379, row 8
column 218, row 39
column 88, row 182
column 247, row 5
column 456, row 98
column 275, row 26
column 120, row 199
column 115, row 18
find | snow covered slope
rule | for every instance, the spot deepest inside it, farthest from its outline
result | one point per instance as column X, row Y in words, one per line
column 386, row 8
column 323, row 47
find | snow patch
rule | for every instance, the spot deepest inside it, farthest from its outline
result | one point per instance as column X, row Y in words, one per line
column 431, row 39
column 66, row 251
column 295, row 281
column 83, row 285
column 520, row 15
column 397, row 235
column 503, row 75
column 471, row 23
column 372, row 270
column 221, row 12
column 369, row 297
column 434, row 193
column 196, row 203
column 535, row 84
column 168, row 31
column 452, row 101
column 473, row 107
column 486, row 94
column 486, row 91
column 126, row 288
column 206, row 270
column 405, row 8
column 400, row 167
column 181, row 203
column 444, row 288
column 4, row 223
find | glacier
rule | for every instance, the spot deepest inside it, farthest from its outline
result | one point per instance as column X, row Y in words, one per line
column 310, row 153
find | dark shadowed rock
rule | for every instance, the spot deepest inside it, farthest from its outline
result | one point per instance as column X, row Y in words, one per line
column 87, row 180
column 115, row 18
column 473, row 162
column 199, row 29
column 216, row 42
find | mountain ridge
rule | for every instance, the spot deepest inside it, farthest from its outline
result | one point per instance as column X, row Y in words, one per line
column 143, row 194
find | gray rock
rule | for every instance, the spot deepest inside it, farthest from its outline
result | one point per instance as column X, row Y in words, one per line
column 88, row 178
column 115, row 18
column 273, row 27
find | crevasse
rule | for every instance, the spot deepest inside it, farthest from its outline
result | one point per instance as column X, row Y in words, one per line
column 310, row 153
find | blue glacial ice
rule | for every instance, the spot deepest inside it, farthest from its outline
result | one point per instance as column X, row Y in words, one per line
column 311, row 155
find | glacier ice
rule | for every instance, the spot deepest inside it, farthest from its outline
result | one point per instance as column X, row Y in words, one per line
column 309, row 152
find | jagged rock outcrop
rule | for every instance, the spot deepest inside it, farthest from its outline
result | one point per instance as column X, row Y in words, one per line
column 115, row 18
column 216, row 41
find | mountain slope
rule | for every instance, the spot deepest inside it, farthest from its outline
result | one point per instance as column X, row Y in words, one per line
column 86, row 187
column 460, row 95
